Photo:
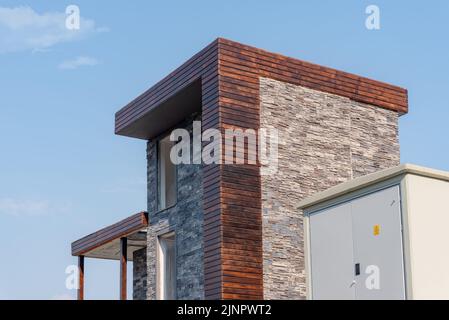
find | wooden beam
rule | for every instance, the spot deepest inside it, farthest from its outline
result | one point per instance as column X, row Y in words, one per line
column 80, row 277
column 123, row 267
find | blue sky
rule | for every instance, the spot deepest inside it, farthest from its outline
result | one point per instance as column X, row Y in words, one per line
column 63, row 172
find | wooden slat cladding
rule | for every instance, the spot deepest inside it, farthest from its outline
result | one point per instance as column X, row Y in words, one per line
column 94, row 240
column 212, row 193
column 247, row 63
column 240, row 185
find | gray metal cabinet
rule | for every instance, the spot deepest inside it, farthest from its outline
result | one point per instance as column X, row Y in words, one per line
column 380, row 236
column 333, row 257
column 356, row 248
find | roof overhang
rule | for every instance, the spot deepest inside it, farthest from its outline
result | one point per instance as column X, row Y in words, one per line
column 227, row 70
column 105, row 243
column 166, row 114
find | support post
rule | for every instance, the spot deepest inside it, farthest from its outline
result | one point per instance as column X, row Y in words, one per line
column 80, row 277
column 123, row 267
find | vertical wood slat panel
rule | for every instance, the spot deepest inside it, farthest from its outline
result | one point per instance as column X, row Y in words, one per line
column 211, row 196
column 240, row 189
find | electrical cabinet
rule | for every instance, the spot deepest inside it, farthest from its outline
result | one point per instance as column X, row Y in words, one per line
column 381, row 236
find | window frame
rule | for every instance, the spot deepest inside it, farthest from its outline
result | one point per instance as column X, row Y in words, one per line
column 158, row 177
column 160, row 265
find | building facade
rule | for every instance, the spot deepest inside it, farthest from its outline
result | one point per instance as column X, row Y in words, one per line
column 227, row 231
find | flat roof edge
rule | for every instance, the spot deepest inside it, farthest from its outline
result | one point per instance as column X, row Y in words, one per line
column 371, row 179
column 224, row 57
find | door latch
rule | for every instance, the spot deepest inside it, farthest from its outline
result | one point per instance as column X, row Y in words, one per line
column 357, row 269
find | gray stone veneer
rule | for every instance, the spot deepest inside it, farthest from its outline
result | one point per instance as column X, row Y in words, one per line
column 324, row 140
column 185, row 218
column 140, row 274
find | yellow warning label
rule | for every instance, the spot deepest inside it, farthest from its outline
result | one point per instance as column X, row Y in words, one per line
column 376, row 230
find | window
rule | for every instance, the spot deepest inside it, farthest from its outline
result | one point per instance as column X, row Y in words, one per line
column 166, row 283
column 166, row 175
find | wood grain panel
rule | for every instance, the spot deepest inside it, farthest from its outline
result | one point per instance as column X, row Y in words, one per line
column 242, row 61
column 241, row 247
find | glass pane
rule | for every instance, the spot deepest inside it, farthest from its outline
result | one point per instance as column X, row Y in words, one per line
column 166, row 175
column 167, row 267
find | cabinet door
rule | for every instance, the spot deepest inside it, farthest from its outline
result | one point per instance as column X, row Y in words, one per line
column 331, row 247
column 377, row 239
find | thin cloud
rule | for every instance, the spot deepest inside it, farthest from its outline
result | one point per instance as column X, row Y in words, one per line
column 78, row 62
column 103, row 29
column 127, row 186
column 23, row 29
column 34, row 207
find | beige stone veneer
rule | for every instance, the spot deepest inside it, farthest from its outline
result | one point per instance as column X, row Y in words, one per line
column 324, row 140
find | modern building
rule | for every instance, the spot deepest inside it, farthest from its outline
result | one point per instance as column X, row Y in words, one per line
column 227, row 231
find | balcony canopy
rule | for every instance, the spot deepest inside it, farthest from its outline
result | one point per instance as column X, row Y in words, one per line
column 105, row 243
column 115, row 242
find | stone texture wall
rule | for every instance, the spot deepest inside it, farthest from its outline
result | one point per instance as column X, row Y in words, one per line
column 140, row 274
column 324, row 140
column 185, row 218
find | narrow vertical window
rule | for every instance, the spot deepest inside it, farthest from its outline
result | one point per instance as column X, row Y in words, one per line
column 166, row 175
column 167, row 267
